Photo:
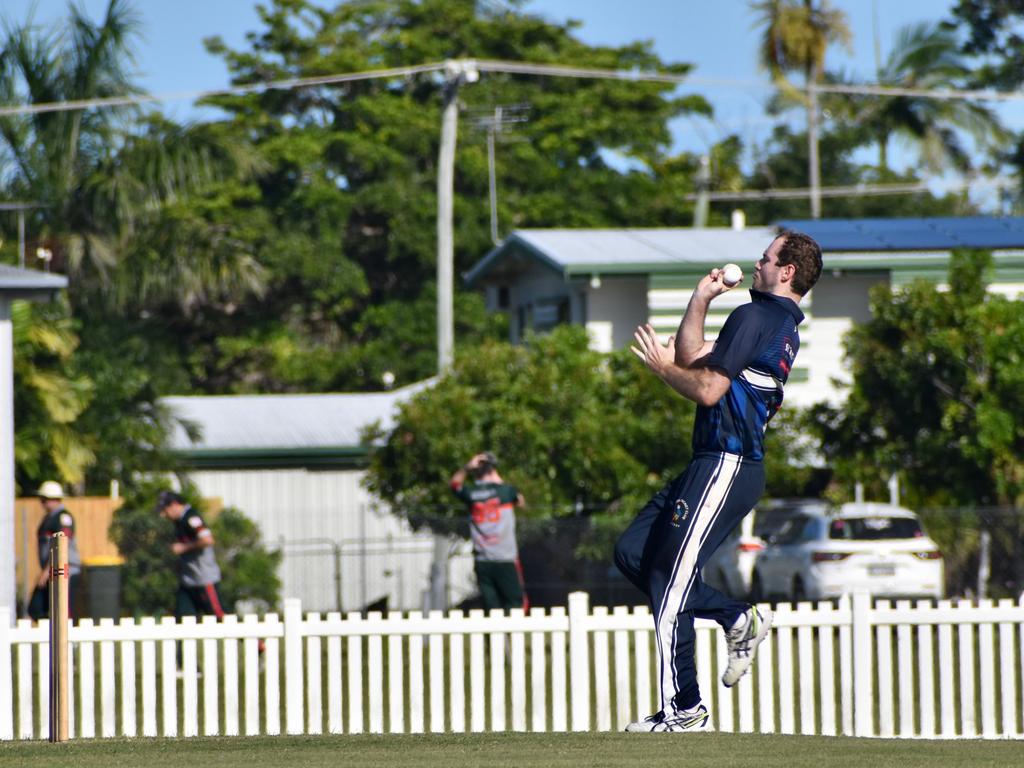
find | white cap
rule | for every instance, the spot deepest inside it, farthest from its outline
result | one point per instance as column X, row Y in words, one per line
column 50, row 490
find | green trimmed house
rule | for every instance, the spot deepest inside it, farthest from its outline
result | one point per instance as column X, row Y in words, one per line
column 612, row 280
column 295, row 464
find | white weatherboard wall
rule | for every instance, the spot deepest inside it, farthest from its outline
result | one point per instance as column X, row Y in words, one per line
column 320, row 519
column 615, row 307
column 924, row 670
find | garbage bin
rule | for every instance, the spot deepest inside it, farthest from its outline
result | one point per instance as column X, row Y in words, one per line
column 103, row 585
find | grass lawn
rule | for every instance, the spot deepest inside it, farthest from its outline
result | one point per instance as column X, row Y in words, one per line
column 519, row 750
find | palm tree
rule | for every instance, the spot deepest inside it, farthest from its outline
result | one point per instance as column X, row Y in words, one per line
column 796, row 35
column 103, row 175
column 926, row 56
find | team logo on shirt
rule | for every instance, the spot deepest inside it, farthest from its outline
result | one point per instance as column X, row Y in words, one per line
column 680, row 513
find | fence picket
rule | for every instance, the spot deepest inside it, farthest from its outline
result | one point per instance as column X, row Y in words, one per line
column 335, row 702
column 926, row 677
column 946, row 689
column 846, row 667
column 211, row 682
column 497, row 676
column 517, row 676
column 129, row 726
column 108, row 690
column 965, row 637
column 602, row 669
column 355, row 676
column 169, row 680
column 785, row 639
column 559, row 716
column 435, row 646
column 415, row 680
column 477, row 681
column 314, row 677
column 25, row 686
column 538, row 677
column 272, row 679
column 396, row 684
column 805, row 656
column 623, row 677
column 826, row 670
column 987, row 675
column 230, row 646
column 6, row 674
column 147, row 649
column 43, row 681
column 766, row 685
column 375, row 674
column 457, row 677
column 190, row 680
column 1007, row 675
column 905, row 662
column 886, row 716
column 86, row 685
column 251, row 651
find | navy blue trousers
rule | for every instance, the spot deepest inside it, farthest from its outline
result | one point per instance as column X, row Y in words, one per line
column 664, row 548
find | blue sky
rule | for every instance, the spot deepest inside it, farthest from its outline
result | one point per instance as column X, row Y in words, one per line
column 717, row 37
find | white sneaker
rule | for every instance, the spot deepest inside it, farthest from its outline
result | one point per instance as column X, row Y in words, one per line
column 742, row 640
column 674, row 720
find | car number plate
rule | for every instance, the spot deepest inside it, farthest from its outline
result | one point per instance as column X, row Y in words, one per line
column 882, row 569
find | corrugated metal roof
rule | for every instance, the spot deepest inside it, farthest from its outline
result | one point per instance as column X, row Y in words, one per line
column 945, row 233
column 15, row 281
column 283, row 422
column 586, row 250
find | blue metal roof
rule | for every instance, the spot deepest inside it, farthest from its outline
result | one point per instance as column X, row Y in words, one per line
column 939, row 233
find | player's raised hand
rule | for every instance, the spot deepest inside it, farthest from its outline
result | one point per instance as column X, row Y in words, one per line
column 649, row 349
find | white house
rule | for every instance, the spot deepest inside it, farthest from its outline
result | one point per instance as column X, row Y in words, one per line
column 294, row 464
column 612, row 280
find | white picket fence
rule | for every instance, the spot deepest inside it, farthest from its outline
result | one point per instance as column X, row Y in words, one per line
column 924, row 670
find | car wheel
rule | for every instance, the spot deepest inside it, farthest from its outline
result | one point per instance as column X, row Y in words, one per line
column 799, row 593
column 756, row 590
column 724, row 582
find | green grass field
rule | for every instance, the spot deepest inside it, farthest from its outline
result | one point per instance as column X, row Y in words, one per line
column 519, row 750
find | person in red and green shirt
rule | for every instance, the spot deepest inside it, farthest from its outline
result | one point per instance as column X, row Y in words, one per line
column 492, row 523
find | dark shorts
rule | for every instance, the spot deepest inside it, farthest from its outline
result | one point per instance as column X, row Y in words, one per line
column 39, row 604
column 501, row 583
column 198, row 601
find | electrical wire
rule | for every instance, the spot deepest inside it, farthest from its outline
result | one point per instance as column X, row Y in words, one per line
column 502, row 67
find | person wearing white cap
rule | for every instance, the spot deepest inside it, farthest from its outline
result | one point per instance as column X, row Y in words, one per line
column 55, row 520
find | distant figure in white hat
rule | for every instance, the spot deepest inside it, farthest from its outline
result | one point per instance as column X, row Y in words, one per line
column 55, row 520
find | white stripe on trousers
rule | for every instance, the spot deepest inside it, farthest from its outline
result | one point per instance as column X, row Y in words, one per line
column 678, row 589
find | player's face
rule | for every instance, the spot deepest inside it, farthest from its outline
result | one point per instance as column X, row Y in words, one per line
column 766, row 270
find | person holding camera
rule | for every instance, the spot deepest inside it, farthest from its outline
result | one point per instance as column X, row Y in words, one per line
column 492, row 523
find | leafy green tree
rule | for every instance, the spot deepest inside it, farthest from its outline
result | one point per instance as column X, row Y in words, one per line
column 936, row 393
column 992, row 30
column 149, row 579
column 49, row 397
column 344, row 212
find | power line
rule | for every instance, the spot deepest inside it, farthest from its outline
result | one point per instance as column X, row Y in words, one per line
column 850, row 190
column 499, row 67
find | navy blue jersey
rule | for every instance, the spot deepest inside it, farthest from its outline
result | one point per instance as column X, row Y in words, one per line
column 756, row 349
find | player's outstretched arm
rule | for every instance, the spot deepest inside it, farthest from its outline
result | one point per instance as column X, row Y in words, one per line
column 690, row 346
column 704, row 386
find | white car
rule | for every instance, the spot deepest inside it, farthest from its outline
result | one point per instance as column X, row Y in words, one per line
column 730, row 568
column 877, row 548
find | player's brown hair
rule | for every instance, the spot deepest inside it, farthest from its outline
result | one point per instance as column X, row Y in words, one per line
column 804, row 253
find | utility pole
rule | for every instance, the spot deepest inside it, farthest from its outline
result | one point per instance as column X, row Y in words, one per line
column 456, row 73
column 812, row 142
column 700, row 208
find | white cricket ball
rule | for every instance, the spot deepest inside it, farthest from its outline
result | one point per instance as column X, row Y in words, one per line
column 731, row 274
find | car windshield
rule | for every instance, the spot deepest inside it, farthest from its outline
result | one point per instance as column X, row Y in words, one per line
column 872, row 528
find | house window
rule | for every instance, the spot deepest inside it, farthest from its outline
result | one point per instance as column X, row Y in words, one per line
column 503, row 298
